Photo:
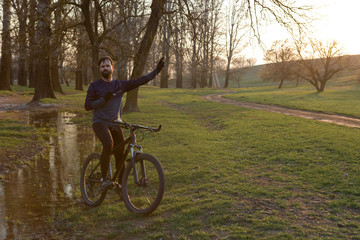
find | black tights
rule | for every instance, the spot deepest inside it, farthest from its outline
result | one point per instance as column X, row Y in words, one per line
column 110, row 136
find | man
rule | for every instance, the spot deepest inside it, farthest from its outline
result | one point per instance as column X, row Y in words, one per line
column 104, row 96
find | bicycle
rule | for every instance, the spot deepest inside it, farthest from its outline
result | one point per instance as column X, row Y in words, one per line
column 143, row 180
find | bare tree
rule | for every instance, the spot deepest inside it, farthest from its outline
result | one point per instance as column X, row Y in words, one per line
column 281, row 58
column 5, row 70
column 21, row 10
column 293, row 17
column 157, row 7
column 320, row 61
column 214, row 29
column 178, row 26
column 80, row 62
column 91, row 25
column 126, row 48
column 241, row 65
column 166, row 37
column 192, row 11
column 43, row 86
column 56, row 41
column 235, row 33
column 97, row 26
column 205, row 42
column 31, row 39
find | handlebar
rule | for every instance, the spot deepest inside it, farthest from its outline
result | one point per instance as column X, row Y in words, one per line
column 135, row 126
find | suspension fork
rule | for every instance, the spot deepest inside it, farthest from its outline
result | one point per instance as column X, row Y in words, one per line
column 133, row 161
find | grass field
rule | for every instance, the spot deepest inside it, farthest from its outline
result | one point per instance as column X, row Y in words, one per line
column 237, row 173
column 341, row 96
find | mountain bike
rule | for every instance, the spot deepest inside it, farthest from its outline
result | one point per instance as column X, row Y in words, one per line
column 143, row 181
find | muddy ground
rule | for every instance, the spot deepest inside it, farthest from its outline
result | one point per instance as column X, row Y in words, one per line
column 18, row 107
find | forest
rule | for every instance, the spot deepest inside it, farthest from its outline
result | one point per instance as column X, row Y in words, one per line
column 46, row 43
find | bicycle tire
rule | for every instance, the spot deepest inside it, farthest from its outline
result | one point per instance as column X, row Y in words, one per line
column 90, row 181
column 144, row 198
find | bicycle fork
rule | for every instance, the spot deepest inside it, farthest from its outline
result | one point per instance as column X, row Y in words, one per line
column 133, row 162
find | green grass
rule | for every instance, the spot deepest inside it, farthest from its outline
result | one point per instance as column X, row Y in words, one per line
column 232, row 172
column 235, row 173
column 14, row 133
column 341, row 96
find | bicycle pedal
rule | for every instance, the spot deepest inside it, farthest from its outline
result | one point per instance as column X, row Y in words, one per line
column 106, row 186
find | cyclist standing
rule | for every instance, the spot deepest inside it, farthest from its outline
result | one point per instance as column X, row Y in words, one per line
column 104, row 96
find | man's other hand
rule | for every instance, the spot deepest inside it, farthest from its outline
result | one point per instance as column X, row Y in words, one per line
column 108, row 95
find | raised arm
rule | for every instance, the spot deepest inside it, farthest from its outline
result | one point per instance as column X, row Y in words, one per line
column 132, row 84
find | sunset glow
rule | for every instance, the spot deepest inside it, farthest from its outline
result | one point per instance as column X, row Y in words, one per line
column 337, row 20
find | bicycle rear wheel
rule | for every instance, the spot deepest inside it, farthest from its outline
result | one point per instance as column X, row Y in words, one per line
column 144, row 197
column 90, row 181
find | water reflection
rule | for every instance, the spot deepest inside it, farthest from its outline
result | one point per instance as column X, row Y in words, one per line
column 31, row 195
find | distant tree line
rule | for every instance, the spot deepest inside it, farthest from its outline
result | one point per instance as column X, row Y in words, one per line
column 51, row 42
column 308, row 60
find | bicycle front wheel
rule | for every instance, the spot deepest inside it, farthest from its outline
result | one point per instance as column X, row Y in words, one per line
column 145, row 196
column 90, row 181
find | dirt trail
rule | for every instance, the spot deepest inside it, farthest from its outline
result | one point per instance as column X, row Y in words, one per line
column 330, row 118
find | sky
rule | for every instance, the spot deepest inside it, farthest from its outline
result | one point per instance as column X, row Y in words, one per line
column 337, row 20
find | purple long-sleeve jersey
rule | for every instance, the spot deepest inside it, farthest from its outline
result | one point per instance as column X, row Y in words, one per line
column 108, row 111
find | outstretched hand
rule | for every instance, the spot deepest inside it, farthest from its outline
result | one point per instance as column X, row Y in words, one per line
column 160, row 65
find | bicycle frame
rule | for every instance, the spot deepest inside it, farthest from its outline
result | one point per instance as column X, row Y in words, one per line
column 131, row 144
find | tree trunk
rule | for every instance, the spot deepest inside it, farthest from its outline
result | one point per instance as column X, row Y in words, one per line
column 5, row 70
column 164, row 76
column 178, row 73
column 205, row 46
column 214, row 19
column 55, row 77
column 193, row 64
column 93, row 37
column 123, row 56
column 322, row 86
column 22, row 16
column 281, row 83
column 32, row 16
column 43, row 86
column 95, row 49
column 78, row 79
column 79, row 61
column 55, row 54
column 227, row 73
column 131, row 104
column 84, row 75
column 211, row 64
column 178, row 54
column 22, row 74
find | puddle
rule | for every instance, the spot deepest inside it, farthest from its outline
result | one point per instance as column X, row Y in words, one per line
column 30, row 196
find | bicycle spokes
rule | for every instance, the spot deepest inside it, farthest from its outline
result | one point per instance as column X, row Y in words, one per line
column 90, row 181
column 145, row 193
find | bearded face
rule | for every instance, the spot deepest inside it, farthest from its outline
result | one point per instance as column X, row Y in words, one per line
column 106, row 69
column 105, row 74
